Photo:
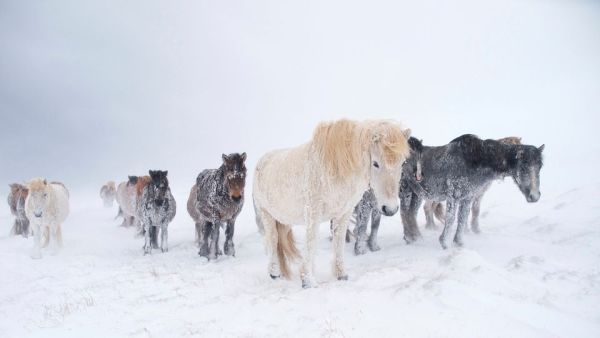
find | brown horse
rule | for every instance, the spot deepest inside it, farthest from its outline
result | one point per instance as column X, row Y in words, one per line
column 432, row 208
column 16, row 201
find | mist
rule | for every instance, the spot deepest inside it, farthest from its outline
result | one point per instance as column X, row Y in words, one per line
column 97, row 90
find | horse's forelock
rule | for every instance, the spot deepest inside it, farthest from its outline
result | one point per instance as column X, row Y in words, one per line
column 37, row 184
column 394, row 142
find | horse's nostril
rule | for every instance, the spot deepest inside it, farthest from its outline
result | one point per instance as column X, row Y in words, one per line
column 38, row 214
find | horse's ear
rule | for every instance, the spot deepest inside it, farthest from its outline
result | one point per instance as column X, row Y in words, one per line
column 225, row 158
column 407, row 133
column 541, row 148
column 45, row 182
column 165, row 173
column 243, row 156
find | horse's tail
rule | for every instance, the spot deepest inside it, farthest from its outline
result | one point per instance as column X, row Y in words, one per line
column 438, row 210
column 286, row 248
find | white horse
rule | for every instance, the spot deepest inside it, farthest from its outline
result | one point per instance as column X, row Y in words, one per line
column 323, row 180
column 108, row 192
column 46, row 207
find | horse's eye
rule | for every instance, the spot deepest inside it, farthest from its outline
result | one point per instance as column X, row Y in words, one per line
column 375, row 164
column 45, row 195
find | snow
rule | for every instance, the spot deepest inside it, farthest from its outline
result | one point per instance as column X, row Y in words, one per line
column 533, row 272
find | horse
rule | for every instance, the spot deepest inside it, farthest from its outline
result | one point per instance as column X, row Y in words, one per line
column 216, row 200
column 367, row 207
column 108, row 193
column 458, row 172
column 323, row 180
column 155, row 207
column 46, row 207
column 126, row 199
column 432, row 208
column 16, row 201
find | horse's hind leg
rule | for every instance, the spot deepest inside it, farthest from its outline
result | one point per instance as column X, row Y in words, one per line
column 228, row 247
column 475, row 216
column 164, row 237
column 463, row 218
column 271, row 239
column 362, row 220
column 428, row 210
column 375, row 220
column 449, row 222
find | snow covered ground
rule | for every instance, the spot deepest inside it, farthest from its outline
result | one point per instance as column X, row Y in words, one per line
column 533, row 272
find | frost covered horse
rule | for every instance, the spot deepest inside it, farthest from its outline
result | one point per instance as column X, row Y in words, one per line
column 108, row 193
column 16, row 201
column 323, row 180
column 459, row 171
column 155, row 207
column 216, row 200
column 432, row 208
column 368, row 208
column 46, row 207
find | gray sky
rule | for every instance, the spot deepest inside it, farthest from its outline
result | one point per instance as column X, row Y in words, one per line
column 96, row 90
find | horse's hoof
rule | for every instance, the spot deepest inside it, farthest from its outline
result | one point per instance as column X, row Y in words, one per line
column 360, row 248
column 443, row 243
column 458, row 243
column 343, row 277
column 229, row 249
column 374, row 246
column 165, row 250
column 36, row 255
column 306, row 284
column 476, row 229
column 273, row 277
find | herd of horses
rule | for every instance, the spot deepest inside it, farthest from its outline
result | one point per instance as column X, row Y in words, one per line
column 348, row 172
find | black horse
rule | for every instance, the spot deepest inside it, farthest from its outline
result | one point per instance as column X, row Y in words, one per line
column 458, row 172
column 215, row 200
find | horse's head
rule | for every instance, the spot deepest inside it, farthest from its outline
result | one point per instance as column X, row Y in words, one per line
column 413, row 165
column 18, row 189
column 38, row 196
column 159, row 185
column 527, row 162
column 389, row 150
column 235, row 175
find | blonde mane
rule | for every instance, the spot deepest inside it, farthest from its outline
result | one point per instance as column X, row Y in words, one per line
column 37, row 184
column 341, row 145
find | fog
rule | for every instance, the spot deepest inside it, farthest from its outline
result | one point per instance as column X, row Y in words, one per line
column 96, row 90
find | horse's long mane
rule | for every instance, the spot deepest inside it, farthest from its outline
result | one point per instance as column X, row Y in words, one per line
column 341, row 145
column 486, row 153
column 141, row 183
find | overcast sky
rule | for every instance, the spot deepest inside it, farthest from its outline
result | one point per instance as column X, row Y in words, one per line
column 97, row 90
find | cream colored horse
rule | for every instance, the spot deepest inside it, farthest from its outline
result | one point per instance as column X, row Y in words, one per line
column 46, row 207
column 323, row 180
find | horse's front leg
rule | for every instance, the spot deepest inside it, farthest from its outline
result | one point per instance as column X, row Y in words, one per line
column 428, row 209
column 206, row 229
column 375, row 220
column 147, row 238
column 54, row 238
column 476, row 207
column 229, row 248
column 213, row 247
column 463, row 218
column 164, row 237
column 340, row 225
column 36, row 251
column 409, row 207
column 449, row 222
column 362, row 220
column 307, row 266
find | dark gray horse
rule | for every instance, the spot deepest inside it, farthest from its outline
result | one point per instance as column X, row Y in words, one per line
column 155, row 207
column 458, row 172
column 216, row 199
column 369, row 208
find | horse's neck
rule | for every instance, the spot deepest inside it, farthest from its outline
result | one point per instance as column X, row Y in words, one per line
column 220, row 180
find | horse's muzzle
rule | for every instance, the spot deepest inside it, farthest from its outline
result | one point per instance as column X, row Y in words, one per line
column 237, row 199
column 533, row 197
column 389, row 212
column 159, row 202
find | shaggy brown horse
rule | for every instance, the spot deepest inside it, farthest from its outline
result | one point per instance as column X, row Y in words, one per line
column 16, row 201
column 108, row 192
